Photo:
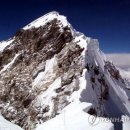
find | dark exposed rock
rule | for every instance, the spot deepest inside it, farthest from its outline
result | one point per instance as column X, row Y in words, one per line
column 105, row 94
column 92, row 111
column 35, row 46
column 96, row 70
column 93, row 79
column 26, row 103
column 59, row 90
column 67, row 93
column 87, row 66
column 46, row 109
column 99, row 85
column 68, row 59
column 112, row 70
column 6, row 57
column 67, row 81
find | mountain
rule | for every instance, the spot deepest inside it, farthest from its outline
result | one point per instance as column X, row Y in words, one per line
column 53, row 77
column 123, row 64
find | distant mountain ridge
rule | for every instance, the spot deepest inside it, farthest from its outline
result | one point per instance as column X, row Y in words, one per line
column 121, row 60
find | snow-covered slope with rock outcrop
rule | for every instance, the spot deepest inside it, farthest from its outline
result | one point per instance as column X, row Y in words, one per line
column 122, row 62
column 6, row 125
column 51, row 74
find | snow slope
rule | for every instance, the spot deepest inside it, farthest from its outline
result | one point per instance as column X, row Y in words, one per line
column 74, row 117
column 6, row 125
column 4, row 44
column 126, row 122
column 98, row 58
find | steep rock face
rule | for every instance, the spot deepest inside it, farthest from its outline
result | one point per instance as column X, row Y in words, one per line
column 48, row 50
column 47, row 65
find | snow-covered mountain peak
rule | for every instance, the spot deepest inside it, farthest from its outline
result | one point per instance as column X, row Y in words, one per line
column 49, row 69
column 47, row 18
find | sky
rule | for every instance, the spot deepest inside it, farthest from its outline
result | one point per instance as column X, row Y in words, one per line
column 106, row 20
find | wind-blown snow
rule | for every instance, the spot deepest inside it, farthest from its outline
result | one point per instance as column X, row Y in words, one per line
column 4, row 44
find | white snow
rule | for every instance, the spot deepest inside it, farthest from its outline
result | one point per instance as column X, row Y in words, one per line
column 126, row 122
column 121, row 96
column 9, row 64
column 4, row 44
column 67, row 119
column 6, row 125
column 51, row 83
column 38, row 78
column 77, row 94
column 46, row 18
column 48, row 74
column 95, row 53
column 125, row 74
column 46, row 97
column 73, row 117
column 82, row 40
